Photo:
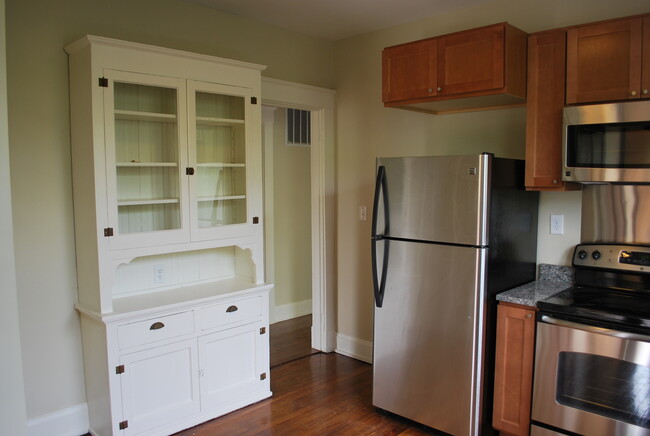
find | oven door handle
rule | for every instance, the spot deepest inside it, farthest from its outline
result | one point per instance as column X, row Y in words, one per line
column 593, row 329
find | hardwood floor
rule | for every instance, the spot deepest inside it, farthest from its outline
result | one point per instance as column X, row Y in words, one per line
column 321, row 394
column 313, row 394
column 290, row 340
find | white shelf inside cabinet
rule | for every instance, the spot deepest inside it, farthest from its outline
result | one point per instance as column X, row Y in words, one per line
column 146, row 164
column 221, row 165
column 184, row 296
column 147, row 202
column 144, row 116
column 223, row 198
column 212, row 121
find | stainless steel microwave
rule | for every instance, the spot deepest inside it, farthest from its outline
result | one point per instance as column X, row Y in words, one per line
column 607, row 143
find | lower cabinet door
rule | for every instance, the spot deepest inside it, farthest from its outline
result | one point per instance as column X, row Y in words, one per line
column 159, row 386
column 234, row 366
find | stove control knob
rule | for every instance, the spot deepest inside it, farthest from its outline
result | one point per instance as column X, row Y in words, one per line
column 596, row 255
column 582, row 254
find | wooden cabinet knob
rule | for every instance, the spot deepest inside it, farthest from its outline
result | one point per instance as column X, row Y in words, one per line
column 529, row 315
column 633, row 93
column 645, row 91
column 555, row 181
column 439, row 88
column 430, row 90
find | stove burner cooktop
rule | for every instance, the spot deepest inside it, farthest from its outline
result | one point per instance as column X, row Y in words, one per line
column 612, row 289
column 599, row 306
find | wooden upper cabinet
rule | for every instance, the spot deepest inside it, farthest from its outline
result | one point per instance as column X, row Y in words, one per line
column 478, row 68
column 471, row 61
column 546, row 72
column 645, row 59
column 604, row 61
column 409, row 71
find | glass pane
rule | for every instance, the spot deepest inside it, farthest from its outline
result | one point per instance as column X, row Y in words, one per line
column 221, row 159
column 616, row 145
column 146, row 156
column 605, row 386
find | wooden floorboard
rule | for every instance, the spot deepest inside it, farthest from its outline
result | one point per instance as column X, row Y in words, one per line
column 321, row 394
column 290, row 340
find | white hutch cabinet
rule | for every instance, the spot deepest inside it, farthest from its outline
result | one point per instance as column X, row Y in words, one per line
column 167, row 178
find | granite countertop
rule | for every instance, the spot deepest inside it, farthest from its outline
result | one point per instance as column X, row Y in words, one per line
column 552, row 279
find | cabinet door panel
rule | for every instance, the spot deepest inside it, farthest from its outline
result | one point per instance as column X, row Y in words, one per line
column 219, row 148
column 409, row 71
column 159, row 386
column 546, row 72
column 645, row 67
column 145, row 130
column 604, row 61
column 471, row 61
column 232, row 363
column 513, row 379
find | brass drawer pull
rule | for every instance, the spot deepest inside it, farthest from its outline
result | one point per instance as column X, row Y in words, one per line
column 156, row 326
column 232, row 309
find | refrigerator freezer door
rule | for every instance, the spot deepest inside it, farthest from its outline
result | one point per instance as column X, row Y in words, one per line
column 428, row 337
column 439, row 198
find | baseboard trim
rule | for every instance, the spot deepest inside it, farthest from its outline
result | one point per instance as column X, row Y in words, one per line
column 65, row 422
column 354, row 347
column 292, row 310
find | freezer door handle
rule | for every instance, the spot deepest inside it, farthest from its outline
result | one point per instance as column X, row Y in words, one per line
column 379, row 286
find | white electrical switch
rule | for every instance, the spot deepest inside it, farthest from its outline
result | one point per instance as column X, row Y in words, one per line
column 557, row 224
column 363, row 213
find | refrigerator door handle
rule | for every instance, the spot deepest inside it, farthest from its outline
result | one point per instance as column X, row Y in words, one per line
column 380, row 188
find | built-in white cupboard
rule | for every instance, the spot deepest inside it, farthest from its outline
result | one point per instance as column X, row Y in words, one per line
column 168, row 221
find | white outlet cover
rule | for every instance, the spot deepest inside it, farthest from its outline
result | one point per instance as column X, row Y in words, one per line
column 557, row 224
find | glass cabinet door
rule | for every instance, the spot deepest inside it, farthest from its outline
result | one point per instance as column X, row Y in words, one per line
column 145, row 153
column 217, row 142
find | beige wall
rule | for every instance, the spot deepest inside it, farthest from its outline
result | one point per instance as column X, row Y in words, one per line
column 12, row 400
column 39, row 141
column 292, row 218
column 365, row 130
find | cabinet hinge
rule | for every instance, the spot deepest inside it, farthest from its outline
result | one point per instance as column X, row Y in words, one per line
column 256, row 220
column 119, row 369
column 262, row 330
column 103, row 82
column 263, row 376
column 189, row 171
column 253, row 100
column 108, row 231
column 124, row 425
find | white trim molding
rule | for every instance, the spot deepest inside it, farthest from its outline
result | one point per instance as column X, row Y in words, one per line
column 354, row 347
column 65, row 422
column 284, row 312
column 320, row 102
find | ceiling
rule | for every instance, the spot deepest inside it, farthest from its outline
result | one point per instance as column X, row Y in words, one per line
column 336, row 19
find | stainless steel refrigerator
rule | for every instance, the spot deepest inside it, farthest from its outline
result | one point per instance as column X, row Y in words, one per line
column 448, row 233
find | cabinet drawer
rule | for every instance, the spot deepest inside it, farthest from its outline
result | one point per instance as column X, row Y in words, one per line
column 155, row 329
column 233, row 312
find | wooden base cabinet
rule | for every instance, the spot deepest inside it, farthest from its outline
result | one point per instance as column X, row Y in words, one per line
column 166, row 373
column 513, row 378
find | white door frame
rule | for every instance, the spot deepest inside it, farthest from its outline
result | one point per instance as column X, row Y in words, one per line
column 320, row 102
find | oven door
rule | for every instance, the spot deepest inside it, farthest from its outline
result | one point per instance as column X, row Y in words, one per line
column 590, row 380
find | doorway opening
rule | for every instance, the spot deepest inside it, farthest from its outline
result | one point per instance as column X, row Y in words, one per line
column 280, row 94
column 287, row 187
